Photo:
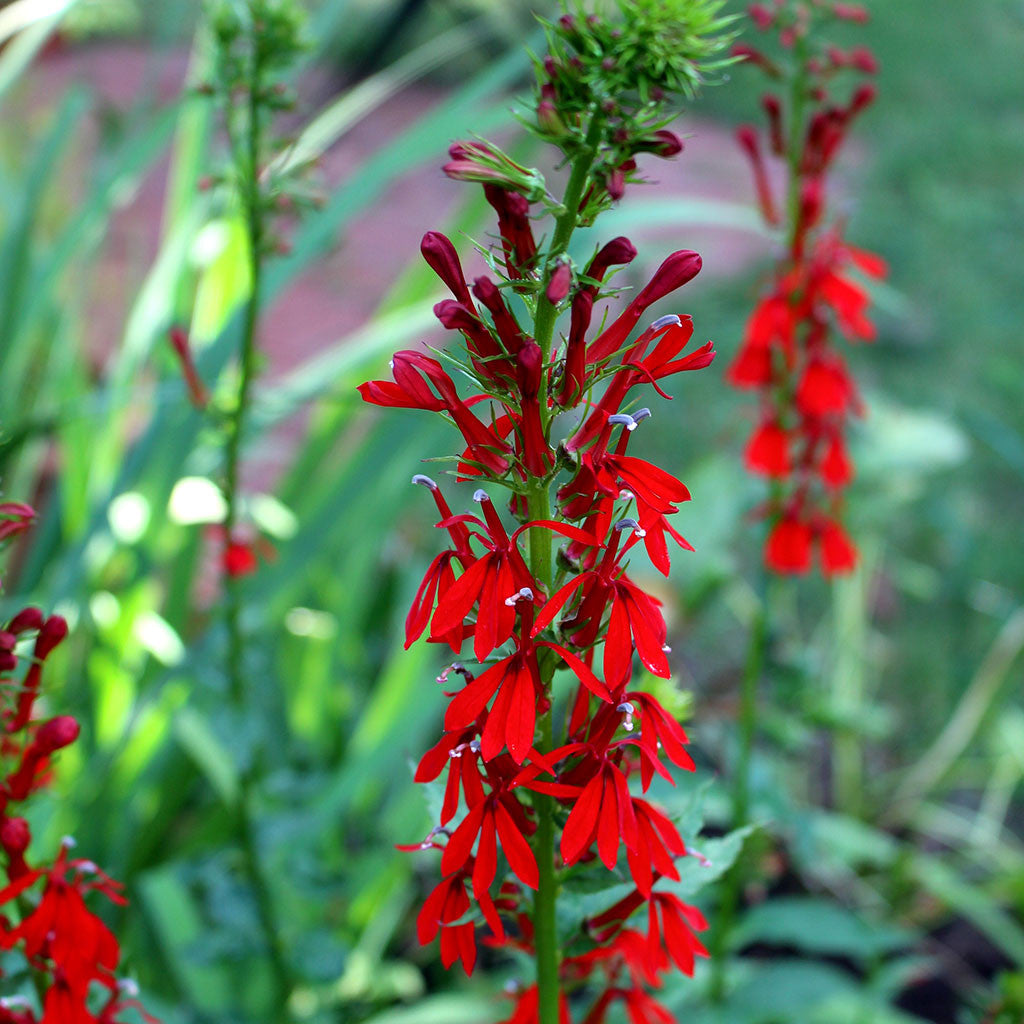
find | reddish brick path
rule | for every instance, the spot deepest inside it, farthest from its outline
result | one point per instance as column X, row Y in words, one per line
column 343, row 291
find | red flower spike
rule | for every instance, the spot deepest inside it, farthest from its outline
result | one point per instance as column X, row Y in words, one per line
column 789, row 353
column 482, row 587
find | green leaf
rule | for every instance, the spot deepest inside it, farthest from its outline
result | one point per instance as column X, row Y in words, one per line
column 178, row 923
column 199, row 741
column 463, row 1009
column 818, row 926
column 708, row 861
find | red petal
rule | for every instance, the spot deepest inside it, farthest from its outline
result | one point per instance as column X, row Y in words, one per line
column 516, row 848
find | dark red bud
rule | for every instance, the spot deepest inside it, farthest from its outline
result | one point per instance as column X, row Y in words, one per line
column 862, row 98
column 851, row 12
column 616, row 184
column 529, row 364
column 618, row 252
column 442, row 258
column 560, row 283
column 773, row 109
column 15, row 835
column 56, row 734
column 52, row 632
column 762, row 16
column 755, row 56
column 864, row 60
column 680, row 267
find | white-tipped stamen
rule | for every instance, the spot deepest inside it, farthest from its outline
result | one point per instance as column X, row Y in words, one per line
column 424, row 481
column 642, row 414
column 480, row 495
column 665, row 321
column 627, row 524
column 666, row 649
column 626, row 495
column 622, row 419
column 627, row 709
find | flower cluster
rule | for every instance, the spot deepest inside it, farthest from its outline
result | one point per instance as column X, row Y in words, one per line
column 543, row 740
column 788, row 354
column 67, row 949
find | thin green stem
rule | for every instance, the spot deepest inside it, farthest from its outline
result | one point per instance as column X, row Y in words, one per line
column 732, row 884
column 246, row 153
column 794, row 144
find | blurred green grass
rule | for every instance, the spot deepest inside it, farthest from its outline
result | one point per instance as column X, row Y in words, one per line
column 935, row 187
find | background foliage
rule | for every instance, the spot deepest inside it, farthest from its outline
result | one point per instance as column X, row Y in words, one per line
column 889, row 882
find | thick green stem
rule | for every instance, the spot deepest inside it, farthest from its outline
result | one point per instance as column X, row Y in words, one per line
column 565, row 225
column 247, row 158
column 544, row 902
column 539, row 507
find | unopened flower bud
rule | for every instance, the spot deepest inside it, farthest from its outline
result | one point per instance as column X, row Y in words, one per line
column 15, row 836
column 59, row 732
column 560, row 283
column 51, row 633
column 851, row 12
column 661, row 143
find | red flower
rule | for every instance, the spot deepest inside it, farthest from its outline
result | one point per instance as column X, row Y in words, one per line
column 838, row 555
column 768, row 451
column 603, row 811
column 239, row 559
column 446, row 905
column 412, row 372
column 526, row 1009
column 497, row 816
column 61, row 929
column 789, row 546
column 512, row 720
